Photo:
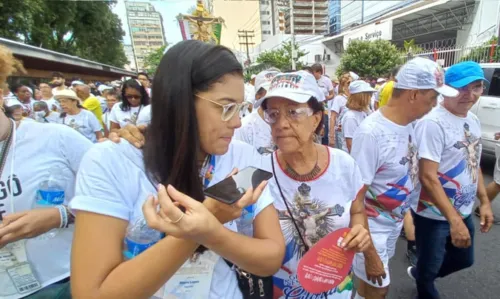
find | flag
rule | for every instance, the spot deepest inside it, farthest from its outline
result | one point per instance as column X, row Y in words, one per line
column 185, row 30
column 217, row 29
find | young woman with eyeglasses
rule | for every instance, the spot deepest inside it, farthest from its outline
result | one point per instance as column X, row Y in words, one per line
column 198, row 94
column 135, row 102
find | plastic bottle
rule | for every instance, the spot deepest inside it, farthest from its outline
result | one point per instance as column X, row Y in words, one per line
column 50, row 193
column 245, row 222
column 139, row 238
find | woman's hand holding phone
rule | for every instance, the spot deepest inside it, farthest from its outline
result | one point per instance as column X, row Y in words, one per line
column 224, row 212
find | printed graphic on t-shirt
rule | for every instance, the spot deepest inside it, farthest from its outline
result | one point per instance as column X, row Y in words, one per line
column 460, row 195
column 132, row 119
column 7, row 187
column 395, row 202
column 315, row 220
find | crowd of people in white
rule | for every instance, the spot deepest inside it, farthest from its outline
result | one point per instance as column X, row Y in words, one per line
column 336, row 160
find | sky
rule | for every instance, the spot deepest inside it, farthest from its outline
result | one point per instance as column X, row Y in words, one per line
column 169, row 9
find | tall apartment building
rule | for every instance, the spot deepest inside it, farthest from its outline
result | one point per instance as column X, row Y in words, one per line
column 310, row 17
column 334, row 12
column 146, row 30
column 272, row 17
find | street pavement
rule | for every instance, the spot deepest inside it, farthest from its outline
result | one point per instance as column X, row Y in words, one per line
column 482, row 281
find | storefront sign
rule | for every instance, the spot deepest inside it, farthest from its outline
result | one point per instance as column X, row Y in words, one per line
column 370, row 32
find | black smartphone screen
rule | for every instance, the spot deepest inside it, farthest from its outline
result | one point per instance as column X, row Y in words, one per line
column 231, row 189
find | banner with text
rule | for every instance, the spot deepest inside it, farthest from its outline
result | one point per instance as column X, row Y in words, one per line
column 370, row 33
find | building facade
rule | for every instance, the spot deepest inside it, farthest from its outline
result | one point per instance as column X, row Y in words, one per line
column 272, row 17
column 129, row 52
column 146, row 30
column 334, row 16
column 310, row 17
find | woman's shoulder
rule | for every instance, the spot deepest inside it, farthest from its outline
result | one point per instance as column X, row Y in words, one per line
column 113, row 154
column 241, row 155
column 340, row 158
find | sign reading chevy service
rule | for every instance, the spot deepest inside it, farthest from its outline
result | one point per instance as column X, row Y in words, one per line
column 370, row 32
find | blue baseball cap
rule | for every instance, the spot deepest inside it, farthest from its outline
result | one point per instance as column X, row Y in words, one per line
column 464, row 73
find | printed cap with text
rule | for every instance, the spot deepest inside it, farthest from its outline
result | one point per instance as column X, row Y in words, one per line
column 422, row 73
column 297, row 86
column 264, row 78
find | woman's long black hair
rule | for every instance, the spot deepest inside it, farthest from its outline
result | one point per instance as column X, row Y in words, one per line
column 133, row 83
column 172, row 139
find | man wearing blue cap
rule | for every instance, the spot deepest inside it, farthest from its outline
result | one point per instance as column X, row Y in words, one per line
column 449, row 148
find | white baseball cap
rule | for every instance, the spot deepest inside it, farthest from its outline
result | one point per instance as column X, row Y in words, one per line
column 380, row 80
column 103, row 87
column 353, row 75
column 77, row 82
column 263, row 79
column 360, row 86
column 11, row 102
column 422, row 73
column 297, row 86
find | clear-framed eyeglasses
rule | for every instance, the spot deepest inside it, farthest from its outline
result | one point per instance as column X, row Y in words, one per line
column 294, row 114
column 475, row 90
column 228, row 110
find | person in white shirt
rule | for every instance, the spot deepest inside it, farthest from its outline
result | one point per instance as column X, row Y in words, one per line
column 134, row 100
column 254, row 130
column 336, row 109
column 28, row 151
column 112, row 98
column 77, row 117
column 189, row 147
column 23, row 95
column 384, row 146
column 449, row 147
column 326, row 86
column 306, row 174
column 14, row 108
column 103, row 90
column 58, row 82
column 358, row 108
column 43, row 114
column 48, row 97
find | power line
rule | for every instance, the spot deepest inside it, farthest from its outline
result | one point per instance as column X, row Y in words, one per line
column 246, row 34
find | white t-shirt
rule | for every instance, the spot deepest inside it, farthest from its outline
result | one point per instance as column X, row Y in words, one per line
column 256, row 132
column 53, row 118
column 144, row 117
column 38, row 148
column 319, row 207
column 351, row 119
column 455, row 143
column 84, row 122
column 106, row 119
column 326, row 85
column 387, row 157
column 52, row 104
column 102, row 101
column 102, row 187
column 124, row 118
column 338, row 105
column 250, row 93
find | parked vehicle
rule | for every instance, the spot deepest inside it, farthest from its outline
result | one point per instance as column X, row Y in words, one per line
column 487, row 107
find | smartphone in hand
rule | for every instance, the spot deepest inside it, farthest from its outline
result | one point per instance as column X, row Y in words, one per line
column 231, row 189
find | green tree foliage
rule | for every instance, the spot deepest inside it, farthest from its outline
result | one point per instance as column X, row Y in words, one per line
column 369, row 58
column 482, row 53
column 281, row 57
column 88, row 29
column 152, row 61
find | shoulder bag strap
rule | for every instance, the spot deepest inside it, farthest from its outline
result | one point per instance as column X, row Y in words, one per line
column 286, row 203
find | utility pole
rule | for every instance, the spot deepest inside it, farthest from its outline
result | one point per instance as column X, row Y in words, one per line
column 246, row 34
column 292, row 33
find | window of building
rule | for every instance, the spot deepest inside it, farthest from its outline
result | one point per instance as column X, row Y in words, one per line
column 317, row 57
column 264, row 12
column 266, row 32
column 266, row 22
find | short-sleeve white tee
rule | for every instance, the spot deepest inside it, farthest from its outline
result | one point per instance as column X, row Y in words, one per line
column 84, row 122
column 325, row 84
column 52, row 104
column 455, row 143
column 318, row 207
column 112, row 181
column 256, row 132
column 387, row 157
column 338, row 105
column 38, row 148
column 123, row 118
column 351, row 119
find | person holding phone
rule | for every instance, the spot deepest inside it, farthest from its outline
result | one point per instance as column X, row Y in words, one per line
column 315, row 187
column 198, row 94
